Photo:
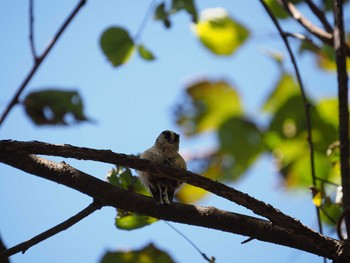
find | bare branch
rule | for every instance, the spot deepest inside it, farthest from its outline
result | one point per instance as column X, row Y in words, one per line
column 305, row 101
column 24, row 246
column 340, row 57
column 313, row 29
column 39, row 60
column 210, row 217
column 320, row 15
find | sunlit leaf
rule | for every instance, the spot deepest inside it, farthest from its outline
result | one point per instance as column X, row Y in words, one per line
column 125, row 220
column 285, row 88
column 189, row 194
column 131, row 221
column 162, row 14
column 209, row 104
column 187, row 5
column 328, row 110
column 317, row 198
column 148, row 254
column 145, row 53
column 53, row 107
column 220, row 33
column 117, row 45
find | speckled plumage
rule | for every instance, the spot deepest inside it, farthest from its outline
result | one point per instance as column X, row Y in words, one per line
column 165, row 152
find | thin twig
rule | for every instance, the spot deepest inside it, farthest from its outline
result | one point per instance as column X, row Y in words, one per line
column 144, row 20
column 313, row 29
column 39, row 60
column 210, row 260
column 340, row 57
column 24, row 246
column 320, row 15
column 31, row 30
column 305, row 102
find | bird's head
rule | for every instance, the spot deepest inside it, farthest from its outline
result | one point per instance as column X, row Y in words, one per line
column 168, row 140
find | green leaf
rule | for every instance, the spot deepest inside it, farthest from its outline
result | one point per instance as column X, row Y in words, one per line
column 145, row 53
column 125, row 220
column 277, row 8
column 54, row 107
column 240, row 144
column 117, row 45
column 131, row 221
column 187, row 5
column 163, row 15
column 148, row 254
column 285, row 88
column 209, row 105
column 220, row 33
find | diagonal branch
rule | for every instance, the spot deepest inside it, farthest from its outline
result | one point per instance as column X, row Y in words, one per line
column 325, row 37
column 343, row 96
column 107, row 156
column 39, row 60
column 320, row 15
column 210, row 217
column 305, row 102
column 24, row 246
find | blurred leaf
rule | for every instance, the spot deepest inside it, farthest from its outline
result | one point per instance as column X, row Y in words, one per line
column 220, row 33
column 163, row 15
column 285, row 88
column 209, row 105
column 277, row 8
column 240, row 144
column 125, row 220
column 131, row 221
column 117, row 45
column 145, row 53
column 54, row 107
column 330, row 213
column 189, row 194
column 328, row 110
column 317, row 197
column 187, row 5
column 148, row 254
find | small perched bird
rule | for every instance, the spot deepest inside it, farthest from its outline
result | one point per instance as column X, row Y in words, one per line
column 165, row 152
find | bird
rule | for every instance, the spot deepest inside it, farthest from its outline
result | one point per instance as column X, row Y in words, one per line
column 163, row 152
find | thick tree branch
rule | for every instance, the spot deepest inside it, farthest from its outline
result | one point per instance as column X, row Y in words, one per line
column 210, row 217
column 107, row 156
column 340, row 57
column 39, row 60
column 24, row 246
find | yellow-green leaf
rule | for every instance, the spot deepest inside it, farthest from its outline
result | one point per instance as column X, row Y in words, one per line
column 220, row 33
column 209, row 105
column 117, row 45
column 189, row 194
column 145, row 53
column 284, row 89
column 125, row 220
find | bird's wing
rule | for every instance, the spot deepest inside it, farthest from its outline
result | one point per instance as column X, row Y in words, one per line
column 153, row 155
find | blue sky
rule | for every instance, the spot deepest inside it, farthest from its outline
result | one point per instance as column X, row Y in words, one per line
column 131, row 105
